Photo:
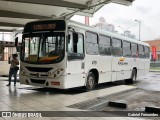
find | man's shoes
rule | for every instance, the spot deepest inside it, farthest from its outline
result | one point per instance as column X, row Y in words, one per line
column 8, row 85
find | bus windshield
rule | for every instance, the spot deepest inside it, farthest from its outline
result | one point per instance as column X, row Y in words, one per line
column 43, row 48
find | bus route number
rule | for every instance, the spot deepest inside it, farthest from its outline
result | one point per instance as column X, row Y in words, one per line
column 94, row 62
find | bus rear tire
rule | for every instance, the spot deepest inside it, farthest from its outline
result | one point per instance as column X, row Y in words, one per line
column 133, row 77
column 91, row 82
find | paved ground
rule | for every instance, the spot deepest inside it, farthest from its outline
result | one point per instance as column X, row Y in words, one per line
column 30, row 98
column 150, row 82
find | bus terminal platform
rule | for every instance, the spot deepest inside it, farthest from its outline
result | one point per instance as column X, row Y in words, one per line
column 31, row 98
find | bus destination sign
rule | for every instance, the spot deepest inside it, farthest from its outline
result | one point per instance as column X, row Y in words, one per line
column 52, row 25
column 44, row 27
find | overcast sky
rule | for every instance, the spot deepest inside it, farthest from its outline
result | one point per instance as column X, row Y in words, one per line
column 146, row 11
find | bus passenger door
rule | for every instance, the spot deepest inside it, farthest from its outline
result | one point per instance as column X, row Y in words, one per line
column 75, row 60
column 117, row 59
column 116, row 69
column 126, row 62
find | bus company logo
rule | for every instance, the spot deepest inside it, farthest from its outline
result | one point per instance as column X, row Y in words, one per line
column 121, row 62
column 37, row 74
column 121, row 59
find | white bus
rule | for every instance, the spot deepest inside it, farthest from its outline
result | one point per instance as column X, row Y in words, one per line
column 66, row 54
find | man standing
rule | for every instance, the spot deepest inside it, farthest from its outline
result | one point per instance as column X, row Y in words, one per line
column 13, row 69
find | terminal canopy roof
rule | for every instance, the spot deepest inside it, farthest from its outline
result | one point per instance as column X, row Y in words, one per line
column 16, row 13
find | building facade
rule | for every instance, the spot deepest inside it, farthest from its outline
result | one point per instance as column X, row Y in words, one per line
column 128, row 34
column 104, row 26
column 154, row 44
column 7, row 49
column 111, row 28
column 7, row 45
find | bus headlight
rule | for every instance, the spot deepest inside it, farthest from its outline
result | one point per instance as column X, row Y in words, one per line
column 56, row 73
column 49, row 74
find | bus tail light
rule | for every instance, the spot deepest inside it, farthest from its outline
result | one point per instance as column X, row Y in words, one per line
column 55, row 83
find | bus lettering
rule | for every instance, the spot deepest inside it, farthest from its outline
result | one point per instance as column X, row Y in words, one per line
column 122, row 63
column 94, row 62
column 44, row 26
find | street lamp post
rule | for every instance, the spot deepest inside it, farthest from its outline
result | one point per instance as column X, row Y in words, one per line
column 139, row 28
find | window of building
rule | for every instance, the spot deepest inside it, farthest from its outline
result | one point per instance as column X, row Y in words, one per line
column 141, row 51
column 75, row 47
column 134, row 48
column 116, row 47
column 126, row 49
column 104, row 45
column 147, row 52
column 91, row 43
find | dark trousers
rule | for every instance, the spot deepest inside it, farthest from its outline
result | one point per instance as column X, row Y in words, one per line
column 13, row 72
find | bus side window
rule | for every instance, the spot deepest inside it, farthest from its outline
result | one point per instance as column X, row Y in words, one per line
column 134, row 47
column 116, row 47
column 92, row 43
column 75, row 42
column 137, row 51
column 126, row 49
column 104, row 45
column 75, row 46
column 147, row 52
column 141, row 51
column 70, row 43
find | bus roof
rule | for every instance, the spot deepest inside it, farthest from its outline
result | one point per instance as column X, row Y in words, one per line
column 103, row 32
column 90, row 28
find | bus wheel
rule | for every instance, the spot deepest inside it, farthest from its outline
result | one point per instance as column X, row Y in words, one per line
column 133, row 77
column 90, row 84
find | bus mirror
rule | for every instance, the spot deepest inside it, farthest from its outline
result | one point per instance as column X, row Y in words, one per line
column 75, row 37
column 16, row 41
column 69, row 39
column 9, row 60
column 18, row 48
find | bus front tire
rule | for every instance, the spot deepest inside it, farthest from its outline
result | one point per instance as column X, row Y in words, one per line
column 91, row 82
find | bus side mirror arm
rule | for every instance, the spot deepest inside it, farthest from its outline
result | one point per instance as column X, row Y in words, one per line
column 16, row 41
column 75, row 37
column 68, row 38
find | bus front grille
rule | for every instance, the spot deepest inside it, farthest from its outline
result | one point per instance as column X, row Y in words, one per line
column 38, row 69
column 39, row 75
column 38, row 81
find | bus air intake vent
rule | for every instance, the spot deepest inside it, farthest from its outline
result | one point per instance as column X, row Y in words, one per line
column 38, row 81
column 38, row 69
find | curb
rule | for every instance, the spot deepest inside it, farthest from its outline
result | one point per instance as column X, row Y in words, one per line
column 117, row 104
column 98, row 106
column 152, row 109
column 154, row 71
column 4, row 75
